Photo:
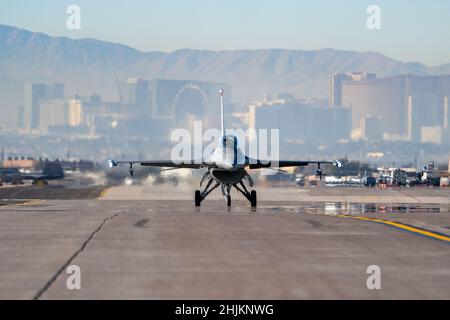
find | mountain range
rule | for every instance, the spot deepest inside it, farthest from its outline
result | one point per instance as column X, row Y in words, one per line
column 91, row 66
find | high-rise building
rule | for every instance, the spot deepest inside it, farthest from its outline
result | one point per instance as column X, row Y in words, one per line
column 431, row 135
column 377, row 97
column 424, row 110
column 74, row 112
column 298, row 121
column 372, row 128
column 405, row 103
column 342, row 123
column 135, row 93
column 52, row 113
column 34, row 93
column 335, row 85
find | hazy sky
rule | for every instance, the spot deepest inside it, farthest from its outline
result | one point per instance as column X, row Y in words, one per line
column 411, row 30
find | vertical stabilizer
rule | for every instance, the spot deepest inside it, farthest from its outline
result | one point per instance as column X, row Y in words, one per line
column 221, row 113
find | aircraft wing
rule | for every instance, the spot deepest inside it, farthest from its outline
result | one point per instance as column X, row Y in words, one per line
column 33, row 176
column 161, row 163
column 258, row 164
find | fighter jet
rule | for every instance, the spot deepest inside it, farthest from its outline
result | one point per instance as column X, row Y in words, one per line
column 226, row 167
column 51, row 171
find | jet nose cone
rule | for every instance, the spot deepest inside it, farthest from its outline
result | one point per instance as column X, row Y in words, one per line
column 226, row 165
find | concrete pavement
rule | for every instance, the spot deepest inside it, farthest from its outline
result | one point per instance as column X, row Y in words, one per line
column 285, row 249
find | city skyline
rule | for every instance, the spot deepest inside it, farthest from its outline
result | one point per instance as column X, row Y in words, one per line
column 112, row 90
column 157, row 26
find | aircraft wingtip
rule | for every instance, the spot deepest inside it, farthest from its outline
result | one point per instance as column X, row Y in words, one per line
column 112, row 163
column 337, row 163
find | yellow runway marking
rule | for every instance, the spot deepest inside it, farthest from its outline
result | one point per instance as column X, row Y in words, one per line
column 26, row 203
column 32, row 202
column 103, row 193
column 395, row 224
column 400, row 226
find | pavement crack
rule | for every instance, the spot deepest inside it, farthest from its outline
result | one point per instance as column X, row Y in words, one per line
column 69, row 261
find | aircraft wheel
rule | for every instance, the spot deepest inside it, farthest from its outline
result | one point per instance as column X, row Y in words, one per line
column 198, row 198
column 228, row 201
column 253, row 198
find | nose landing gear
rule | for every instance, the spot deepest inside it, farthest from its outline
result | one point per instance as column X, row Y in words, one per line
column 226, row 191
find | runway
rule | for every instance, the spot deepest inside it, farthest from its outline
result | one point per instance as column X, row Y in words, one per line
column 153, row 246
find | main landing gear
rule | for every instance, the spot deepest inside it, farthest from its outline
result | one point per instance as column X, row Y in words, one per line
column 251, row 196
column 200, row 196
column 226, row 191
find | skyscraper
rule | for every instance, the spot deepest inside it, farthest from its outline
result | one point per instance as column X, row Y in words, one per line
column 424, row 110
column 405, row 103
column 297, row 121
column 372, row 128
column 135, row 93
column 335, row 85
column 52, row 113
column 35, row 92
column 377, row 97
column 74, row 112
